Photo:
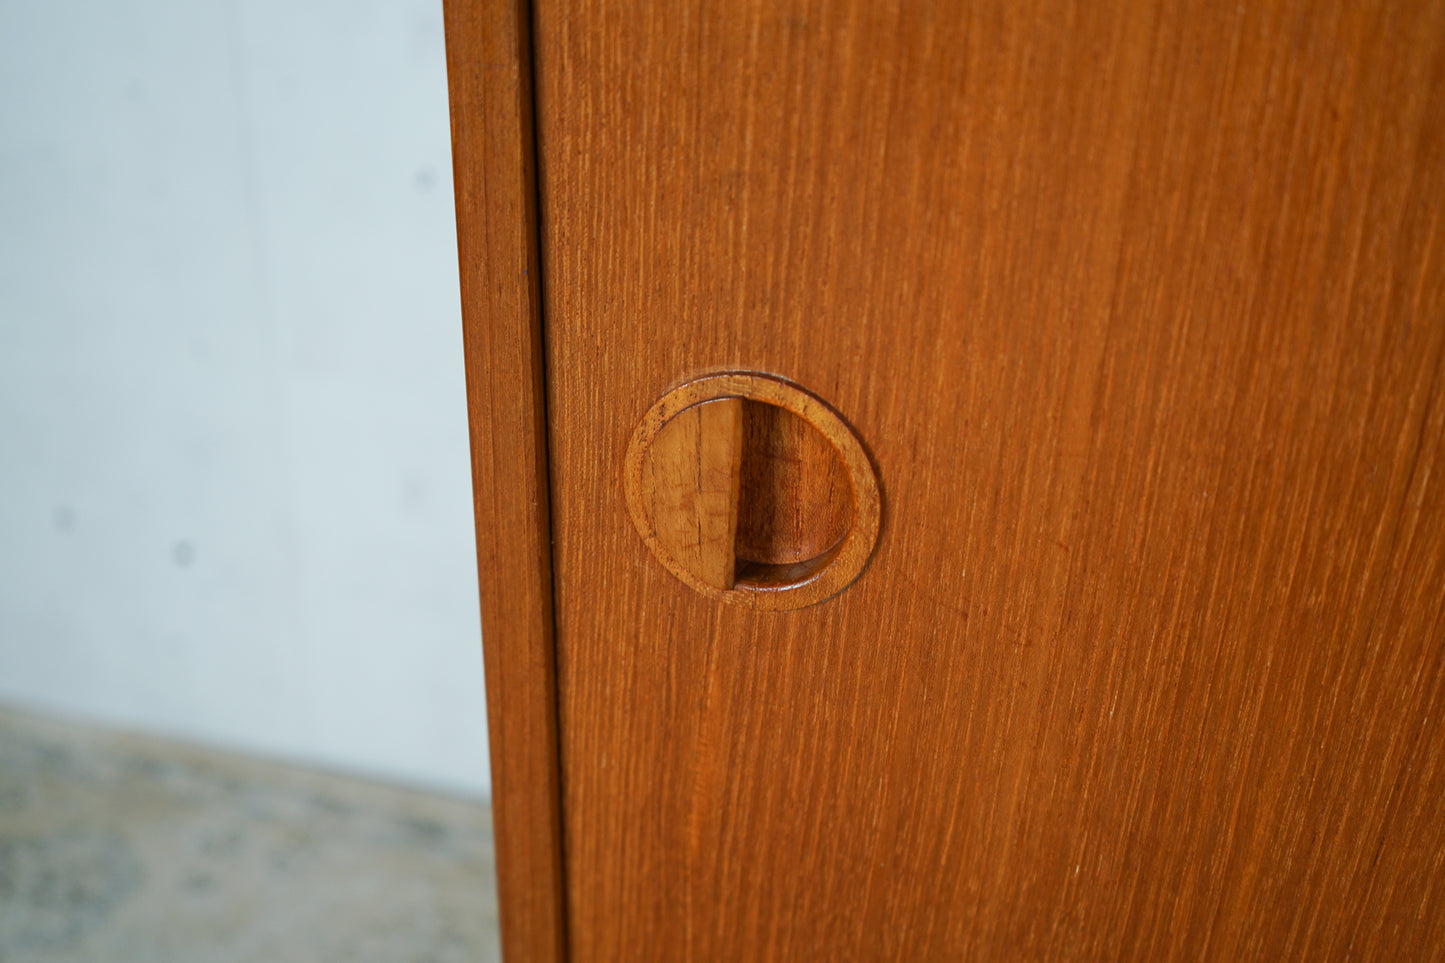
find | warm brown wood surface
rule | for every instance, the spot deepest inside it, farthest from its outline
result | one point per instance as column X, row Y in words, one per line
column 703, row 473
column 731, row 481
column 690, row 484
column 489, row 72
column 1140, row 308
column 794, row 498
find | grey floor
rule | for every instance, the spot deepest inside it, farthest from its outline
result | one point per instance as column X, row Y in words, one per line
column 118, row 848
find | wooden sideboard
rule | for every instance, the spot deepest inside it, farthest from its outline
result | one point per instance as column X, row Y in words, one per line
column 1135, row 312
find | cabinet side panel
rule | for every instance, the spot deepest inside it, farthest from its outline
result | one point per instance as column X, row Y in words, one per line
column 489, row 73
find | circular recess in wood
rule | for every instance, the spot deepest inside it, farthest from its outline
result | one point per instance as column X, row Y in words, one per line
column 752, row 491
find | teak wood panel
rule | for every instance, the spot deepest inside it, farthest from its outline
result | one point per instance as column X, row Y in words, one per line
column 489, row 73
column 1140, row 308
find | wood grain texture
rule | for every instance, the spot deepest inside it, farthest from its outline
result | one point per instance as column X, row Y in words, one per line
column 682, row 482
column 489, row 73
column 794, row 497
column 1139, row 308
column 731, row 481
column 690, row 482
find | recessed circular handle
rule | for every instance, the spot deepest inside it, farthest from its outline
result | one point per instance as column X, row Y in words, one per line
column 752, row 491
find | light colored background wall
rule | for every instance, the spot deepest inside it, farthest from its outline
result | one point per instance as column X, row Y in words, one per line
column 234, row 487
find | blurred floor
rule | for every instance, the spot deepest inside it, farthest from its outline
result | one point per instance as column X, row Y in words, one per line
column 120, row 848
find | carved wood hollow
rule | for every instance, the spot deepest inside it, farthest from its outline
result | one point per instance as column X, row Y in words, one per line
column 753, row 491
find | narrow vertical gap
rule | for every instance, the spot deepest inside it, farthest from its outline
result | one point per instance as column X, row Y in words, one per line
column 526, row 55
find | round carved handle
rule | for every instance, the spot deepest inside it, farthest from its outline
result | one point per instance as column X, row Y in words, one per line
column 752, row 491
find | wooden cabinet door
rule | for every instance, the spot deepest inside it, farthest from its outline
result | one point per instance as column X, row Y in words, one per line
column 1138, row 310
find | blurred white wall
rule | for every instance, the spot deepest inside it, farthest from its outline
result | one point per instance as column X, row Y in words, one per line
column 234, row 486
